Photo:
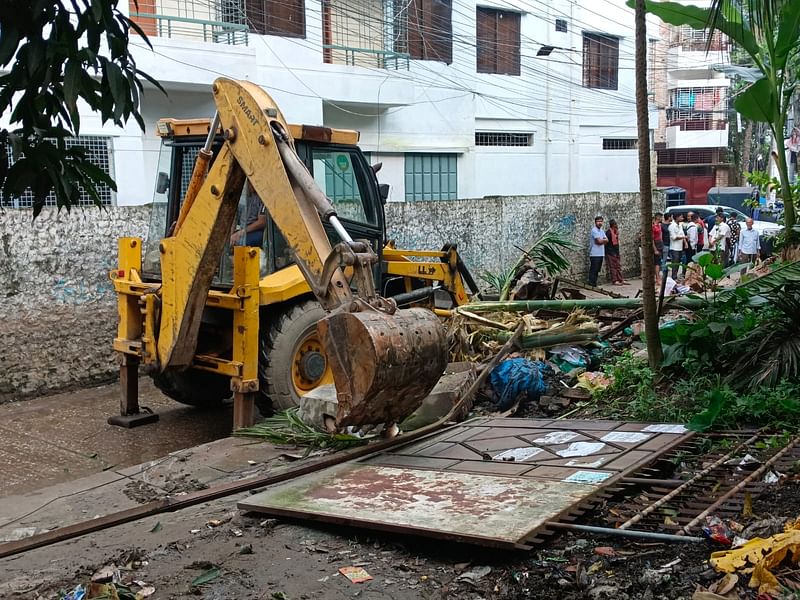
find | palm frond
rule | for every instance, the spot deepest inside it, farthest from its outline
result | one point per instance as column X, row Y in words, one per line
column 287, row 427
column 499, row 280
column 546, row 253
column 770, row 353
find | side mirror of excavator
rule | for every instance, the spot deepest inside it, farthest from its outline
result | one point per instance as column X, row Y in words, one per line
column 383, row 190
column 377, row 167
column 162, row 183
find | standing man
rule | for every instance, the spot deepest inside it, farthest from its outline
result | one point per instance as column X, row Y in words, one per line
column 665, row 239
column 597, row 250
column 719, row 237
column 676, row 241
column 711, row 220
column 749, row 243
column 702, row 233
column 691, row 238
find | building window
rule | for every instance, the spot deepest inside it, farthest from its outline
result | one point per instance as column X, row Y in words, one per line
column 98, row 151
column 600, row 61
column 619, row 144
column 431, row 176
column 429, row 33
column 503, row 138
column 277, row 17
column 561, row 25
column 498, row 41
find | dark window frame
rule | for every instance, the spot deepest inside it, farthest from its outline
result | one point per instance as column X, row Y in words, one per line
column 600, row 61
column 562, row 26
column 428, row 31
column 285, row 18
column 497, row 41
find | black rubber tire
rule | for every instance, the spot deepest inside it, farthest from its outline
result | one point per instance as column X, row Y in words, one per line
column 280, row 337
column 195, row 388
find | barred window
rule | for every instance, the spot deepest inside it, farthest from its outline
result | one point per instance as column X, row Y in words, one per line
column 431, row 176
column 503, row 138
column 619, row 144
column 98, row 152
column 561, row 25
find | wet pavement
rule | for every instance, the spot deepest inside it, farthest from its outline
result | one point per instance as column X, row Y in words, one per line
column 63, row 437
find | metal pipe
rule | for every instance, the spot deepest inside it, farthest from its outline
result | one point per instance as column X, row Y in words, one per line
column 413, row 296
column 646, row 535
column 648, row 509
column 339, row 228
column 299, row 172
column 739, row 486
column 212, row 132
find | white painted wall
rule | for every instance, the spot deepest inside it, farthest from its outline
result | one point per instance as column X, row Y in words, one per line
column 430, row 107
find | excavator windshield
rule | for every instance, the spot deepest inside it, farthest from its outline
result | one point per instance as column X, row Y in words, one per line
column 341, row 171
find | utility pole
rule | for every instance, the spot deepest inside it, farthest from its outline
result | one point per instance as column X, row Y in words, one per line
column 646, row 192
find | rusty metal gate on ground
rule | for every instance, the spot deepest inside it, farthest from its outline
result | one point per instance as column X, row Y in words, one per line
column 491, row 481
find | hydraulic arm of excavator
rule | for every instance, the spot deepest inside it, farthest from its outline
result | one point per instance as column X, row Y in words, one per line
column 384, row 360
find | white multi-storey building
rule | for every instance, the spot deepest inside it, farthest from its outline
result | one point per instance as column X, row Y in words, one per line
column 457, row 98
column 693, row 102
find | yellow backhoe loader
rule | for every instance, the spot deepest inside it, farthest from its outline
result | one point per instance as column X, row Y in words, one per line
column 260, row 269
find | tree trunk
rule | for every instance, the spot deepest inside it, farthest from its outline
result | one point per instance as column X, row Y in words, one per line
column 747, row 148
column 646, row 192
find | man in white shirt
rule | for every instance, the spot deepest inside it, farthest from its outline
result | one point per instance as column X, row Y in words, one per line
column 749, row 243
column 676, row 240
column 691, row 237
column 720, row 236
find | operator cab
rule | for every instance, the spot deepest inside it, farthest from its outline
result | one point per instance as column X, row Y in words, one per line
column 339, row 168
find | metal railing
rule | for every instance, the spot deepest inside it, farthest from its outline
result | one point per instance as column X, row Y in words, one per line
column 697, row 120
column 171, row 26
column 366, row 57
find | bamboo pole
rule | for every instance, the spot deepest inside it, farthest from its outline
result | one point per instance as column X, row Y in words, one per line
column 589, row 304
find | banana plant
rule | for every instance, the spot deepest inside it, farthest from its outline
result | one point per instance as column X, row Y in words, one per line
column 769, row 31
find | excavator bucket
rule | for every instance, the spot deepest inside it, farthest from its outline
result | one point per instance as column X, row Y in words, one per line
column 383, row 365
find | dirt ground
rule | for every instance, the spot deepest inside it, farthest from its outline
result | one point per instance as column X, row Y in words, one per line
column 261, row 558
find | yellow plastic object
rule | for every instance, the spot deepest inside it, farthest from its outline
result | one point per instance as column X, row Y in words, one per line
column 594, row 382
column 759, row 556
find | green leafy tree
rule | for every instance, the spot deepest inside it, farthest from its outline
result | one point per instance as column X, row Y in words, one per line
column 53, row 55
column 769, row 32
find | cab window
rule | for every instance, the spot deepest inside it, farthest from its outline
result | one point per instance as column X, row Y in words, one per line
column 339, row 173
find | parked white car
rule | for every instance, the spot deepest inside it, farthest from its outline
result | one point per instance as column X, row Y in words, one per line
column 764, row 228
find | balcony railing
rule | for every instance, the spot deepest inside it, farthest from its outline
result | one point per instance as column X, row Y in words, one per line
column 172, row 26
column 366, row 57
column 696, row 120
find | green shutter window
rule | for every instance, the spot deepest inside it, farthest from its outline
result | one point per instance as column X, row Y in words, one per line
column 431, row 176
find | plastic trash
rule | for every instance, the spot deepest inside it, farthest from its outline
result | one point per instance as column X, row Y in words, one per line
column 516, row 376
column 570, row 355
column 79, row 593
column 716, row 530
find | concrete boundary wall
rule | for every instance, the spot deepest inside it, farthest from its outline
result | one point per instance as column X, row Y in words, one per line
column 58, row 308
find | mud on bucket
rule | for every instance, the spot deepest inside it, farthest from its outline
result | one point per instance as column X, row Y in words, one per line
column 383, row 365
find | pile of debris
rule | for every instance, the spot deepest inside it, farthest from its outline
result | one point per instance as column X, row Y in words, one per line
column 557, row 355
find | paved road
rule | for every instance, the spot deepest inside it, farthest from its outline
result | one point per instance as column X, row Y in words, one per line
column 63, row 437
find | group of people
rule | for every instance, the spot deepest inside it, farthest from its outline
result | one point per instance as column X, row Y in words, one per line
column 676, row 241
